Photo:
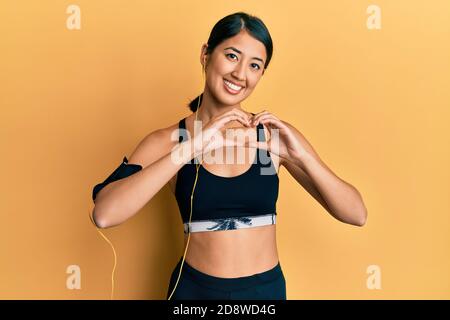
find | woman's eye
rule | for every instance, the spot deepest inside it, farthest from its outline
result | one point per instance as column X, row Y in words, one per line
column 257, row 66
column 254, row 64
column 232, row 54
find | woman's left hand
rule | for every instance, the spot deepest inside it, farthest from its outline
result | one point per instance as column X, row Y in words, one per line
column 284, row 144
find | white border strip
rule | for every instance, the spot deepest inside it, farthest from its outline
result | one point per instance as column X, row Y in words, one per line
column 230, row 223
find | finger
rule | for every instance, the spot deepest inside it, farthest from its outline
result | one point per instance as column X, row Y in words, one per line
column 260, row 113
column 228, row 118
column 261, row 116
column 258, row 116
column 218, row 129
column 270, row 119
column 244, row 114
column 240, row 112
column 243, row 119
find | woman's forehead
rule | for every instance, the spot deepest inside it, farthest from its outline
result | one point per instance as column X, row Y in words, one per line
column 246, row 44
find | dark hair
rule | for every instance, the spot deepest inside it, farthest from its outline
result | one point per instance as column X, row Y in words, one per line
column 230, row 26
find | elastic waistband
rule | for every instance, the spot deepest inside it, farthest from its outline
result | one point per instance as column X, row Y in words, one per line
column 230, row 283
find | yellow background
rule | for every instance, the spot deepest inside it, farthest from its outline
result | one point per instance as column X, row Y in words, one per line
column 373, row 103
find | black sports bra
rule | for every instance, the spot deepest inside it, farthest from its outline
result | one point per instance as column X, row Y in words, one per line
column 227, row 203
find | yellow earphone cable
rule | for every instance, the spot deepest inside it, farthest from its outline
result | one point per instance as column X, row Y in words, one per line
column 185, row 251
column 189, row 233
column 190, row 215
column 114, row 251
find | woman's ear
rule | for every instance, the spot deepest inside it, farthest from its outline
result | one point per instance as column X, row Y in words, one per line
column 203, row 55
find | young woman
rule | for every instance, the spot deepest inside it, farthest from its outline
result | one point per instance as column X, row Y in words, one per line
column 228, row 210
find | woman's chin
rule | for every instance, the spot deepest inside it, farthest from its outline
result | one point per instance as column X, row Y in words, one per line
column 230, row 100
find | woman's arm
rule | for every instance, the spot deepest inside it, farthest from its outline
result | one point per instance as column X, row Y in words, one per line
column 342, row 200
column 121, row 199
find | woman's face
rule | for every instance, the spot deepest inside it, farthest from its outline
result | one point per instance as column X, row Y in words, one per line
column 243, row 68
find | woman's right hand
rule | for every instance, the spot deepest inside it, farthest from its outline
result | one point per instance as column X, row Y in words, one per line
column 211, row 136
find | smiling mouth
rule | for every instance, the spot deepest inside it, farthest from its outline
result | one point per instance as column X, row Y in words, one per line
column 231, row 87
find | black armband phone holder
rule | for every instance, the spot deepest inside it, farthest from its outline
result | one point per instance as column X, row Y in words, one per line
column 122, row 171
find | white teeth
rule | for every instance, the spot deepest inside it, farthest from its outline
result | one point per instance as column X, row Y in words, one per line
column 232, row 86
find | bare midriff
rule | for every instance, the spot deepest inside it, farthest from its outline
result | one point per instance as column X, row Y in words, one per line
column 233, row 253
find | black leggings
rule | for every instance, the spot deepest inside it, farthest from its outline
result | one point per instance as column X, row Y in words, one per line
column 193, row 284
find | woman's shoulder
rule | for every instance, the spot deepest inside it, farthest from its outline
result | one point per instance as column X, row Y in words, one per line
column 155, row 144
column 167, row 134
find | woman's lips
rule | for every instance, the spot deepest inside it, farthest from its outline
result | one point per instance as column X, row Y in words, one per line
column 230, row 90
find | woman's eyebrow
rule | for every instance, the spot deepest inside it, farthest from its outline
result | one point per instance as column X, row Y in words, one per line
column 234, row 49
